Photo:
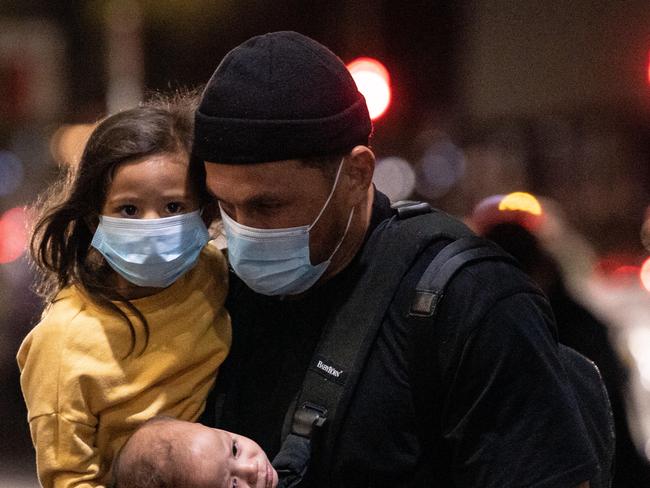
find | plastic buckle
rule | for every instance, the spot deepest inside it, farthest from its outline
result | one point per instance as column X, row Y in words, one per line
column 308, row 417
column 409, row 208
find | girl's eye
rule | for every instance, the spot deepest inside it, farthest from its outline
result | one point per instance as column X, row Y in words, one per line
column 128, row 210
column 174, row 207
column 235, row 449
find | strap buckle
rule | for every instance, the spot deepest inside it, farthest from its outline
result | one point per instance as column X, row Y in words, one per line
column 409, row 208
column 308, row 417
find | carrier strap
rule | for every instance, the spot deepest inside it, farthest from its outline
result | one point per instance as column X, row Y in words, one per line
column 349, row 334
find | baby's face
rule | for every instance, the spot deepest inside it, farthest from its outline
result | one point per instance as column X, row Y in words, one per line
column 225, row 460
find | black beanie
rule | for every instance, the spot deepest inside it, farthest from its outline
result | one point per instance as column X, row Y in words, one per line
column 279, row 96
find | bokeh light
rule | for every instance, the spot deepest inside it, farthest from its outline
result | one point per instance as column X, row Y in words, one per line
column 645, row 274
column 639, row 347
column 626, row 271
column 11, row 173
column 521, row 201
column 68, row 142
column 619, row 269
column 440, row 168
column 373, row 81
column 13, row 234
column 516, row 208
column 395, row 177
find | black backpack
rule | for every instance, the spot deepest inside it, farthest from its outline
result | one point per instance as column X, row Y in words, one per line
column 341, row 353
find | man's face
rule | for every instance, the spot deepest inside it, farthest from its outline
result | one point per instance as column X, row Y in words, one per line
column 283, row 194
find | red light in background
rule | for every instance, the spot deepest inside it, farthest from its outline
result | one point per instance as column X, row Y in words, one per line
column 373, row 81
column 13, row 235
column 626, row 271
column 644, row 274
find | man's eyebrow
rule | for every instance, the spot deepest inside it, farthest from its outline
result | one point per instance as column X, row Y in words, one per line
column 264, row 199
column 255, row 200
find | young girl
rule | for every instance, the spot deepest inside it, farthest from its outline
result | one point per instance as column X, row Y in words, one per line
column 135, row 324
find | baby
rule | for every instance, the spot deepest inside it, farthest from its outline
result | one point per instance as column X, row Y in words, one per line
column 165, row 453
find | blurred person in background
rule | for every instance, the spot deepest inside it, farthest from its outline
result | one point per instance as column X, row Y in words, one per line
column 518, row 224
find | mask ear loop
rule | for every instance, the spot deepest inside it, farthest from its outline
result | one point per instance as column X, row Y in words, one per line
column 336, row 180
column 345, row 233
column 347, row 226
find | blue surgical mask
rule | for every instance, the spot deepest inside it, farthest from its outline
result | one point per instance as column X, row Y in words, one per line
column 276, row 261
column 151, row 252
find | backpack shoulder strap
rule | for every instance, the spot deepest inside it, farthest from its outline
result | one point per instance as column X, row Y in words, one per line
column 428, row 294
column 350, row 331
column 449, row 261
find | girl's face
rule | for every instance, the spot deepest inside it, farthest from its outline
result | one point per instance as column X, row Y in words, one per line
column 152, row 187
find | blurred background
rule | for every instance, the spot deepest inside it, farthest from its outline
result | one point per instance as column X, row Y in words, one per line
column 484, row 97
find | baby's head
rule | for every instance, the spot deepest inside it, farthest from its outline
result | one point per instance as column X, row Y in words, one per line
column 169, row 453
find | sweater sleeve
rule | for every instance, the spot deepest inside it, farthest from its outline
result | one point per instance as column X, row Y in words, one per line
column 65, row 453
column 63, row 429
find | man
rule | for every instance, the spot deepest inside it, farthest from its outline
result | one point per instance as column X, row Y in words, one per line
column 284, row 134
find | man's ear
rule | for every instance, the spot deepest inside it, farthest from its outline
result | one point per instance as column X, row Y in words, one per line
column 360, row 169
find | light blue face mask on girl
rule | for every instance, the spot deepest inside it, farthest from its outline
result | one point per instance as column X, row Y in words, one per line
column 276, row 261
column 151, row 252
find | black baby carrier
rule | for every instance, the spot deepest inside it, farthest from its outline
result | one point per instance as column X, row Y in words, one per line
column 330, row 381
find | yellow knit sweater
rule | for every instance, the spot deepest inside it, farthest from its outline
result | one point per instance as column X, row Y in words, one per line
column 84, row 397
